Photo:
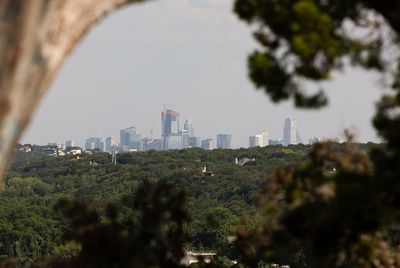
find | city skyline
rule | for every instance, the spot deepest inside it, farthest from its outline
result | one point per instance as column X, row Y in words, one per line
column 174, row 137
column 200, row 74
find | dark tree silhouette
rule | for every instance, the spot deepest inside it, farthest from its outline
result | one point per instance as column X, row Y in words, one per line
column 338, row 208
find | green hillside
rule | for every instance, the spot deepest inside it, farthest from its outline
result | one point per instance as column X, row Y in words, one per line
column 30, row 226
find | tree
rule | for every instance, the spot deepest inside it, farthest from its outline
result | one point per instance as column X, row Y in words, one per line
column 337, row 209
column 35, row 38
column 147, row 230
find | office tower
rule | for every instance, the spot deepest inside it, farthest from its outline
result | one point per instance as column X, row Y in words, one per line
column 152, row 145
column 177, row 141
column 173, row 142
column 169, row 125
column 224, row 141
column 130, row 140
column 69, row 143
column 289, row 131
column 275, row 142
column 299, row 140
column 207, row 144
column 194, row 142
column 260, row 140
column 145, row 143
column 252, row 141
column 111, row 145
column 184, row 138
column 263, row 139
column 108, row 145
column 94, row 143
column 189, row 127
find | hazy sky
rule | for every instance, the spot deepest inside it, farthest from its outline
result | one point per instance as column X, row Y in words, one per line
column 190, row 54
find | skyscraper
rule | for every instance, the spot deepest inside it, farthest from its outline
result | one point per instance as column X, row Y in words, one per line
column 224, row 141
column 110, row 145
column 207, row 144
column 260, row 140
column 69, row 143
column 169, row 125
column 130, row 139
column 94, row 143
column 151, row 144
column 184, row 138
column 189, row 127
column 194, row 142
column 289, row 131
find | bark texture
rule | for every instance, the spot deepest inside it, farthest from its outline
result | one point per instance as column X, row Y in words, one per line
column 35, row 38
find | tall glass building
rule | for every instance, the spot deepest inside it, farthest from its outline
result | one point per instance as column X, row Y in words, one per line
column 224, row 141
column 289, row 131
column 260, row 140
column 189, row 127
column 130, row 139
column 169, row 126
column 94, row 143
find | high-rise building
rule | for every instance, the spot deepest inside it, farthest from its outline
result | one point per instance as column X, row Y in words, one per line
column 173, row 142
column 188, row 126
column 260, row 140
column 224, row 141
column 289, row 131
column 111, row 145
column 130, row 140
column 299, row 140
column 185, row 138
column 69, row 143
column 177, row 141
column 169, row 125
column 194, row 142
column 207, row 144
column 275, row 142
column 252, row 141
column 108, row 145
column 150, row 144
column 94, row 143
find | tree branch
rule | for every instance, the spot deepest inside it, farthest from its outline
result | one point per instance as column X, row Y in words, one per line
column 35, row 38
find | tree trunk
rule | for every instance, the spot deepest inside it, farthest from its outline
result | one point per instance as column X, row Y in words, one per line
column 35, row 38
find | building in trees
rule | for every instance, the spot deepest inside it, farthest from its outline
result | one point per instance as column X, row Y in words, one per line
column 111, row 145
column 69, row 143
column 289, row 131
column 169, row 126
column 224, row 141
column 207, row 144
column 189, row 127
column 260, row 140
column 130, row 140
column 94, row 143
column 194, row 142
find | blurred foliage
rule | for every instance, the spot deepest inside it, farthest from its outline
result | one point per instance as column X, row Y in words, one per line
column 306, row 40
column 340, row 207
column 150, row 232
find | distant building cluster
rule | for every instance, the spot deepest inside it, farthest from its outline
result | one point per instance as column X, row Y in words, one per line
column 175, row 137
column 260, row 140
column 51, row 149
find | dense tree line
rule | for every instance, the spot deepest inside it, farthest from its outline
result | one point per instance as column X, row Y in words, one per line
column 41, row 191
column 31, row 228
